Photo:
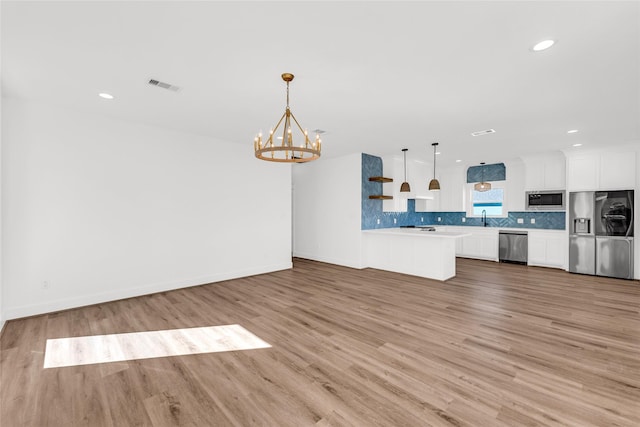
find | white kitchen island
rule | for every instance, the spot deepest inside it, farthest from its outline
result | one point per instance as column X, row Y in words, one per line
column 430, row 254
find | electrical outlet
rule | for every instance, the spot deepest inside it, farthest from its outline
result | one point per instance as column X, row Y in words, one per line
column 533, row 220
column 378, row 221
column 395, row 220
column 45, row 285
column 464, row 219
column 439, row 219
column 520, row 221
column 421, row 219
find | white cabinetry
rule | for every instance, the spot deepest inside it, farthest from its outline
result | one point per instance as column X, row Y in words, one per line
column 427, row 201
column 481, row 243
column 583, row 172
column 515, row 184
column 548, row 248
column 418, row 175
column 405, row 251
column 453, row 190
column 546, row 172
column 450, row 198
column 555, row 174
column 431, row 203
column 610, row 170
column 617, row 171
column 393, row 167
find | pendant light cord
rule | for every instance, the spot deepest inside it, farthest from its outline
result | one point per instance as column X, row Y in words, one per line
column 434, row 161
column 405, row 166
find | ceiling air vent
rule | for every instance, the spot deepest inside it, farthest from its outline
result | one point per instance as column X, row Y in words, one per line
column 164, row 85
column 482, row 132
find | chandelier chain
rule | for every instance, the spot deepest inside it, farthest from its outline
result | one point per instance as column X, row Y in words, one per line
column 287, row 95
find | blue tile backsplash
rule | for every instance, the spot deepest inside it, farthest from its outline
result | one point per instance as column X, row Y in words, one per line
column 543, row 220
column 372, row 209
column 495, row 172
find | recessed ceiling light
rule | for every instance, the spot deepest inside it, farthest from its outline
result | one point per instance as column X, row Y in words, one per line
column 577, row 145
column 572, row 131
column 437, row 152
column 105, row 95
column 544, row 44
column 458, row 161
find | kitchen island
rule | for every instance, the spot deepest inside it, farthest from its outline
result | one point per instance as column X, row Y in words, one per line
column 415, row 251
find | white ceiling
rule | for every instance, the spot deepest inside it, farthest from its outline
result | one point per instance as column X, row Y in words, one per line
column 377, row 76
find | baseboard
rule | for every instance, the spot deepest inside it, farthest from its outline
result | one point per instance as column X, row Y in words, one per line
column 329, row 260
column 69, row 303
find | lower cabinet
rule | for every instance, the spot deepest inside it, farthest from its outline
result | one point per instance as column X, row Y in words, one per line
column 482, row 243
column 548, row 248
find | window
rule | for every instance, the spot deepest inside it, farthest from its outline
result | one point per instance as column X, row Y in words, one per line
column 492, row 202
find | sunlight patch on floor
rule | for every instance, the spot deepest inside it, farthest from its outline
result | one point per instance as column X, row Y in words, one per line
column 88, row 350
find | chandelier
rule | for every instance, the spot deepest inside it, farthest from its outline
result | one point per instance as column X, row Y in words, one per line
column 286, row 150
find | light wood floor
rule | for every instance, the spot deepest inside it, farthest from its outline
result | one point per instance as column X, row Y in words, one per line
column 498, row 345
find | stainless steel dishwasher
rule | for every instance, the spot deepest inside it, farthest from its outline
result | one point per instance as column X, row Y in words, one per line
column 514, row 246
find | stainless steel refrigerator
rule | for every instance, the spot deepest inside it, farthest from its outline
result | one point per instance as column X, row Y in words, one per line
column 601, row 233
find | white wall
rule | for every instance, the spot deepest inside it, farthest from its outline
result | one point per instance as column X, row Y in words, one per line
column 2, row 320
column 327, row 210
column 96, row 209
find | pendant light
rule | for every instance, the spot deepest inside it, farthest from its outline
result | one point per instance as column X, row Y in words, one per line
column 482, row 185
column 405, row 187
column 434, row 185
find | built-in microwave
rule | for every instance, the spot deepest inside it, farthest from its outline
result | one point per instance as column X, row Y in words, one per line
column 545, row 200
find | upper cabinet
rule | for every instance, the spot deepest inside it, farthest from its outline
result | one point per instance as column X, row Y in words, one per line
column 545, row 172
column 452, row 189
column 450, row 198
column 393, row 167
column 617, row 170
column 420, row 173
column 601, row 170
column 583, row 172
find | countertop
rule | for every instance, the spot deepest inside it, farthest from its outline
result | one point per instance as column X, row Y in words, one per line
column 416, row 232
column 477, row 228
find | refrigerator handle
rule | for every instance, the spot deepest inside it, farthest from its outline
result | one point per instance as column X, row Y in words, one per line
column 632, row 214
column 629, row 241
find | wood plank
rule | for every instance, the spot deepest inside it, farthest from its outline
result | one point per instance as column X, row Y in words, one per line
column 498, row 344
column 380, row 179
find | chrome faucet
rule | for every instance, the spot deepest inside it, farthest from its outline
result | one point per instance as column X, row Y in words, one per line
column 484, row 218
